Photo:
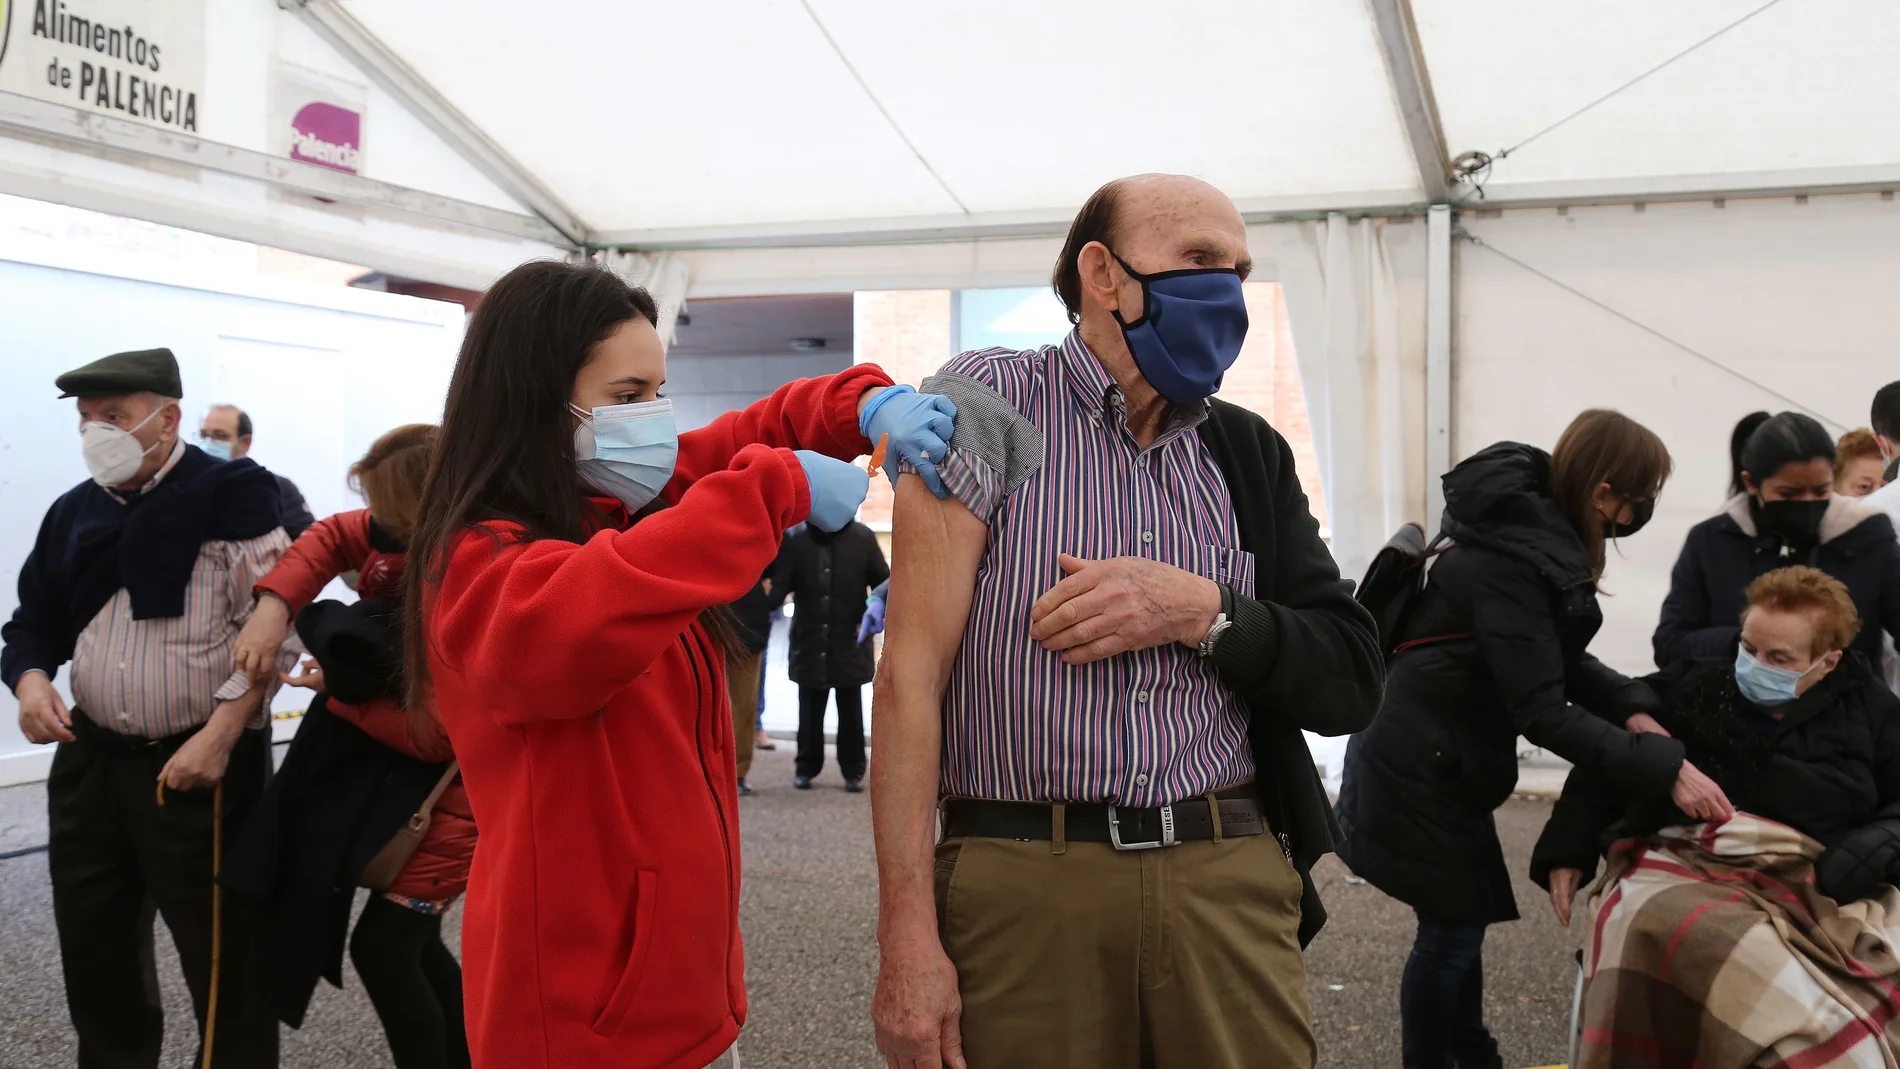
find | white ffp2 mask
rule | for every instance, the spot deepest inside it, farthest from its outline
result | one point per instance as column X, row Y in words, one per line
column 113, row 454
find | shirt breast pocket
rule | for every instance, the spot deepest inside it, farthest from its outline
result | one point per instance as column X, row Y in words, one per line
column 1228, row 567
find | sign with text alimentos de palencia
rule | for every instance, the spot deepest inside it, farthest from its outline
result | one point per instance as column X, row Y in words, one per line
column 142, row 60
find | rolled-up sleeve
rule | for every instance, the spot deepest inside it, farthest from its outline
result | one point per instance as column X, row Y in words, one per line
column 994, row 448
column 246, row 563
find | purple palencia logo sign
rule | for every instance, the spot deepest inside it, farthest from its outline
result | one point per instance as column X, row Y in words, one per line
column 328, row 136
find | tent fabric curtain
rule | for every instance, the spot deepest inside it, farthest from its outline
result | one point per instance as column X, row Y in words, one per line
column 661, row 274
column 1355, row 294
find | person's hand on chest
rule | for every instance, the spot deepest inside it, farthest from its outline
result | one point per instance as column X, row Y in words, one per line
column 1108, row 607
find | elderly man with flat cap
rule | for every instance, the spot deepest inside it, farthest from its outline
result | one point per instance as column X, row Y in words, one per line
column 141, row 578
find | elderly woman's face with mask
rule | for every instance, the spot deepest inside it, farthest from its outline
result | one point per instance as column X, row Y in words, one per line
column 1779, row 660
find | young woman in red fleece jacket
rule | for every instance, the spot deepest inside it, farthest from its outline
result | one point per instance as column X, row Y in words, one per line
column 577, row 549
column 410, row 975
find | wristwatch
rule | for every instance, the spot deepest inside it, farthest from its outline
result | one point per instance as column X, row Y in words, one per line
column 1214, row 633
column 1223, row 620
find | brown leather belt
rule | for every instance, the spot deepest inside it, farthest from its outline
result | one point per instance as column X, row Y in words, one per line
column 1120, row 826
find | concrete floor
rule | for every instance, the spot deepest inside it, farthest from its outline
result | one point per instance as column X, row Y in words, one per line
column 809, row 915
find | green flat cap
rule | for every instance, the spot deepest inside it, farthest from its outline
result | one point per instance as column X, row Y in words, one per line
column 154, row 370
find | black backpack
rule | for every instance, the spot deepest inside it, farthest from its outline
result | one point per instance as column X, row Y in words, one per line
column 1393, row 583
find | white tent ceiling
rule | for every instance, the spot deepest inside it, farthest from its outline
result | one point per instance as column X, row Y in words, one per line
column 775, row 120
column 948, row 142
column 1803, row 92
column 688, row 120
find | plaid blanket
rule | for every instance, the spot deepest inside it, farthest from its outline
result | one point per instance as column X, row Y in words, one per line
column 1710, row 948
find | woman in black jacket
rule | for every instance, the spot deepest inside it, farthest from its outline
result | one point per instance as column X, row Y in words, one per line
column 1787, row 513
column 831, row 576
column 1494, row 649
column 1794, row 728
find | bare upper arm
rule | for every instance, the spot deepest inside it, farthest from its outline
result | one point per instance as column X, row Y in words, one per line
column 936, row 547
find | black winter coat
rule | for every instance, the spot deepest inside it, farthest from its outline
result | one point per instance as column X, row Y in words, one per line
column 830, row 576
column 336, row 801
column 1517, row 597
column 752, row 614
column 1702, row 616
column 1830, row 766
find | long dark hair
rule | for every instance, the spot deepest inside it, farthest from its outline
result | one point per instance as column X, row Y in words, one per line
column 506, row 447
column 1601, row 446
column 1745, row 429
column 1789, row 438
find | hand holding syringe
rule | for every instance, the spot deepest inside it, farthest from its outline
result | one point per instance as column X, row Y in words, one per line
column 915, row 426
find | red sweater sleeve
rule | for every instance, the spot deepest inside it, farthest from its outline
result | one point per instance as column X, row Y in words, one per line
column 818, row 414
column 328, row 549
column 551, row 630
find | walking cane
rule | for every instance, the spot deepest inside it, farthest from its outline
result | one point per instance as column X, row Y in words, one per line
column 217, row 912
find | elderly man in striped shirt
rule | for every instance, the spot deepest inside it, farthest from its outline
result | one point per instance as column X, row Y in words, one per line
column 141, row 577
column 1100, row 657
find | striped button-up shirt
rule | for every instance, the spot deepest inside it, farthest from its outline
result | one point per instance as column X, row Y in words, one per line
column 1044, row 454
column 154, row 678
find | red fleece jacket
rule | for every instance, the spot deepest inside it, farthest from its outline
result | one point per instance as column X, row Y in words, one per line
column 589, row 711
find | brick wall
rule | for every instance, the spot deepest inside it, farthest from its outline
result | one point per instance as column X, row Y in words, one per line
column 907, row 333
column 1266, row 379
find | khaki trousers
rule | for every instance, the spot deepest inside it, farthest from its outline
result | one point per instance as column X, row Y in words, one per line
column 742, row 686
column 1079, row 956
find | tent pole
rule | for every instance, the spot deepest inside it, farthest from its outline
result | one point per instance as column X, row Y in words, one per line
column 1412, row 84
column 1438, row 382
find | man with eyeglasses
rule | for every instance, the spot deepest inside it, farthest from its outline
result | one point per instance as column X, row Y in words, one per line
column 225, row 433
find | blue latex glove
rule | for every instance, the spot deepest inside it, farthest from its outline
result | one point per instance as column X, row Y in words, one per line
column 837, row 489
column 873, row 621
column 919, row 425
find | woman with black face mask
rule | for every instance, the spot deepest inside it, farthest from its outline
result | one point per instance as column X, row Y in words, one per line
column 1785, row 513
column 1494, row 648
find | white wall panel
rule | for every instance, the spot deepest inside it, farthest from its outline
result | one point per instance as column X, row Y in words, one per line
column 703, row 388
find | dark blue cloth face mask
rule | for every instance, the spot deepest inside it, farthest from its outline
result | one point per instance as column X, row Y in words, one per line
column 1190, row 331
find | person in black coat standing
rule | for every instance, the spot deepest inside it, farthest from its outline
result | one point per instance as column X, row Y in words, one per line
column 830, row 576
column 1786, row 513
column 1494, row 648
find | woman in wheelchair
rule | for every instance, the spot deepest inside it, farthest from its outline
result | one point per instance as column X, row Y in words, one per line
column 1769, row 936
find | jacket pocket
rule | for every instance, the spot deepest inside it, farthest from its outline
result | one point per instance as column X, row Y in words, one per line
column 620, row 999
column 1232, row 567
column 1417, row 742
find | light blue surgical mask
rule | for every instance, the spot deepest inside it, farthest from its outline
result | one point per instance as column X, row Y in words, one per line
column 216, row 449
column 627, row 451
column 1764, row 684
